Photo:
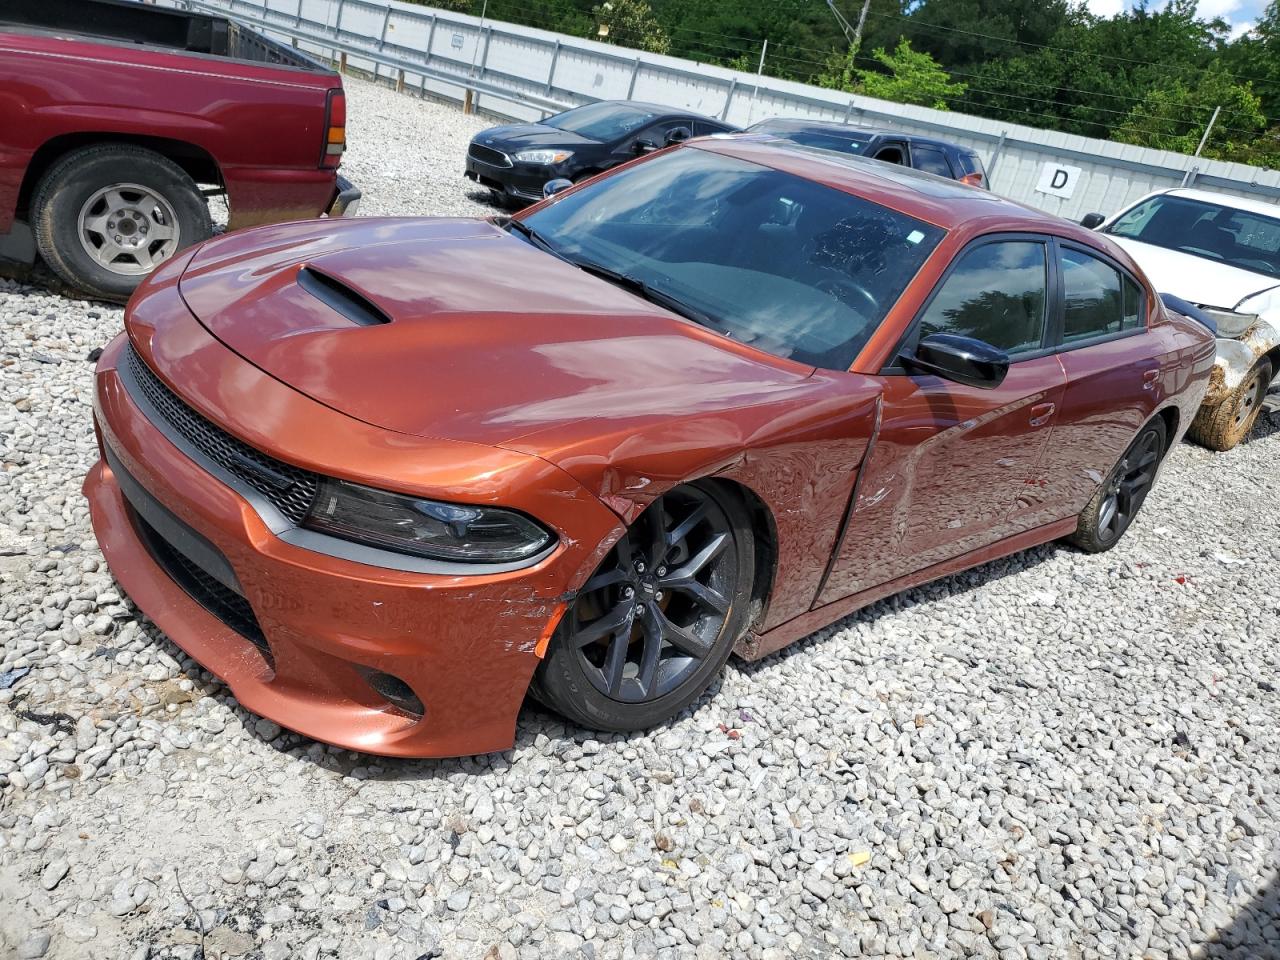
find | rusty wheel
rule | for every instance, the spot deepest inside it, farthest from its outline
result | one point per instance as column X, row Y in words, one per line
column 1224, row 426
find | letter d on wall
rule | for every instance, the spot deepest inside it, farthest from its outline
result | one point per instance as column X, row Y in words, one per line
column 1058, row 180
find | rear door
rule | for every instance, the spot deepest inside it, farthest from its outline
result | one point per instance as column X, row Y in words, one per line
column 931, row 159
column 1113, row 373
column 951, row 461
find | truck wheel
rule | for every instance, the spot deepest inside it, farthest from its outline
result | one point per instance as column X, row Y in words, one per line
column 1223, row 426
column 106, row 216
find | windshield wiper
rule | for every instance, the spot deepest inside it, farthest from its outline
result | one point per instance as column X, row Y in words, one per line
column 534, row 237
column 638, row 286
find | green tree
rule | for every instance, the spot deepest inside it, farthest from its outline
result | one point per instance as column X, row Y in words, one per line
column 909, row 76
column 1174, row 114
column 631, row 23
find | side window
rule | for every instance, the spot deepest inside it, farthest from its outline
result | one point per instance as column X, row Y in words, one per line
column 701, row 128
column 1134, row 312
column 996, row 293
column 930, row 160
column 1093, row 298
column 891, row 154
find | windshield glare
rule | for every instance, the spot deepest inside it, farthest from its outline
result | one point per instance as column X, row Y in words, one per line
column 601, row 121
column 791, row 266
column 1238, row 238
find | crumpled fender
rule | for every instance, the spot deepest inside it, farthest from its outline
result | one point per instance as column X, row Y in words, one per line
column 1237, row 356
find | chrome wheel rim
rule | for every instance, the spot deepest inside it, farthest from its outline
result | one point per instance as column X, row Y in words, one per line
column 1128, row 486
column 1250, row 400
column 651, row 614
column 128, row 229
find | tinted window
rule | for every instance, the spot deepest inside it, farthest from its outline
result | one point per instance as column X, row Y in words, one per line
column 1134, row 315
column 855, row 143
column 930, row 160
column 996, row 293
column 1240, row 238
column 891, row 154
column 703, row 127
column 601, row 121
column 786, row 264
column 1093, row 299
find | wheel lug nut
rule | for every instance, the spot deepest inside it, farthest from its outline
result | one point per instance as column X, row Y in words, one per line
column 658, row 596
column 662, row 571
column 628, row 593
column 640, row 609
column 639, row 566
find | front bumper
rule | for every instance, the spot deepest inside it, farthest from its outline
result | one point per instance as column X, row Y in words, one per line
column 520, row 181
column 466, row 645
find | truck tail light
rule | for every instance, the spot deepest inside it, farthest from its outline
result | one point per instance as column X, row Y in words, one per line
column 335, row 129
column 974, row 180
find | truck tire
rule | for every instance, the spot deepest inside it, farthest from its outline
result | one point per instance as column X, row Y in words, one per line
column 106, row 216
column 1223, row 426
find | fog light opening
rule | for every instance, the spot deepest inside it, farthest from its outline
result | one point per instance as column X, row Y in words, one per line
column 395, row 691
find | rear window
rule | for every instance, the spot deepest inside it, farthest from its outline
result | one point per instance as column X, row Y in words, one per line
column 969, row 162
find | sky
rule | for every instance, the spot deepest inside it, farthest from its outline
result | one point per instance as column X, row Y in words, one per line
column 1241, row 14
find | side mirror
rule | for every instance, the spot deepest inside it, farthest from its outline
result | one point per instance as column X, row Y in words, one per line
column 552, row 187
column 1092, row 221
column 678, row 135
column 962, row 359
column 645, row 146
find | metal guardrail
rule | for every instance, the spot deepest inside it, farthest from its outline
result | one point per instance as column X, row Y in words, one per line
column 400, row 60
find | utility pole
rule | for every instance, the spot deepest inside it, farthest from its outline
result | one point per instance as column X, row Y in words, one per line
column 764, row 47
column 862, row 22
column 851, row 33
column 1208, row 130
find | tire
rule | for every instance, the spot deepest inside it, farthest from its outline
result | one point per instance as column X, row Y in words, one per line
column 1224, row 426
column 157, row 210
column 1118, row 499
column 601, row 683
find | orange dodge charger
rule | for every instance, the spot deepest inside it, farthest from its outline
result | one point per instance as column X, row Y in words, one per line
column 387, row 476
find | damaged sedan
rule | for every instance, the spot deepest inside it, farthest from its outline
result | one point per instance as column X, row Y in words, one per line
column 386, row 477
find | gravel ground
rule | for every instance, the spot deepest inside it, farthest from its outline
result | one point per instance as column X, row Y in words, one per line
column 1056, row 755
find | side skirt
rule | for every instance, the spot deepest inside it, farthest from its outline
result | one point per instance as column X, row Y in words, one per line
column 805, row 624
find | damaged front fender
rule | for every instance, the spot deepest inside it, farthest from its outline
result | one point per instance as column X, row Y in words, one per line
column 1237, row 356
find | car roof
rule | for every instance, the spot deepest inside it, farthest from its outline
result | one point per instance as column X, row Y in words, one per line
column 1223, row 200
column 834, row 126
column 937, row 200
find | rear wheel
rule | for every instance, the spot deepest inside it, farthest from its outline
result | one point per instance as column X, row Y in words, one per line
column 1118, row 500
column 106, row 216
column 1224, row 426
column 654, row 624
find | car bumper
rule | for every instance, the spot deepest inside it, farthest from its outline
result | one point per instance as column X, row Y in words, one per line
column 297, row 635
column 346, row 199
column 519, row 182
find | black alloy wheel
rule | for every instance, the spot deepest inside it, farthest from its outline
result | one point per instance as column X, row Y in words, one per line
column 652, row 626
column 1120, row 497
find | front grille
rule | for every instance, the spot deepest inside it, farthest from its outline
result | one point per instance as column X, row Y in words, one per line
column 219, row 599
column 290, row 489
column 495, row 158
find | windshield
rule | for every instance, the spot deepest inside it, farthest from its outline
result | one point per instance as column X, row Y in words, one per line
column 1238, row 238
column 844, row 142
column 791, row 266
column 604, row 122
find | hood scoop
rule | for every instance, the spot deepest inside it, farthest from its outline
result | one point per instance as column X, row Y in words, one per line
column 341, row 298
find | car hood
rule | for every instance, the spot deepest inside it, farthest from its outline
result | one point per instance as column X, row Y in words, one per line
column 1197, row 279
column 486, row 338
column 529, row 136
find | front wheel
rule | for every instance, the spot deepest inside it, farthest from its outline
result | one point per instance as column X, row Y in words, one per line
column 1224, row 426
column 654, row 624
column 106, row 216
column 1117, row 501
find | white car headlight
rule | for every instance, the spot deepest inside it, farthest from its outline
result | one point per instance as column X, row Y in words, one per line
column 544, row 157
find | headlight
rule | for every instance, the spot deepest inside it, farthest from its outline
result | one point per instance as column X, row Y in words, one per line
column 426, row 528
column 544, row 157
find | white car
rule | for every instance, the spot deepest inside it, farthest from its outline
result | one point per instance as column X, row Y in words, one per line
column 1222, row 254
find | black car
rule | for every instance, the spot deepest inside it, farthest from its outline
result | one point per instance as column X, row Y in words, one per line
column 517, row 160
column 923, row 153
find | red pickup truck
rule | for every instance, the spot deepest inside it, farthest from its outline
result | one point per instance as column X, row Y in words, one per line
column 119, row 119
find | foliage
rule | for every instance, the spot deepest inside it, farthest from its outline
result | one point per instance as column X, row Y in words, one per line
column 1161, row 118
column 631, row 23
column 909, row 76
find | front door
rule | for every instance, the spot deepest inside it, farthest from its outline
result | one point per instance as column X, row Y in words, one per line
column 950, row 461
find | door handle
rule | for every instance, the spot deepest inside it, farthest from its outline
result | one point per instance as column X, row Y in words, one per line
column 1041, row 413
column 1149, row 379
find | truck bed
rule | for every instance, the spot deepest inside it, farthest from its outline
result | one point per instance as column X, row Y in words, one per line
column 131, row 22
